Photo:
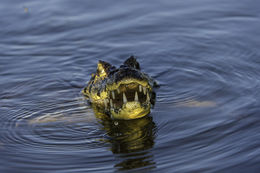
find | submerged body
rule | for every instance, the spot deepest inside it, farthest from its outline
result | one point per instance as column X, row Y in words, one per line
column 121, row 93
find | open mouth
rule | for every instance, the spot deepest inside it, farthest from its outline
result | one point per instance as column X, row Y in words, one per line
column 128, row 100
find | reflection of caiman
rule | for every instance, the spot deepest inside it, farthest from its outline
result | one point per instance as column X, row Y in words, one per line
column 122, row 93
column 133, row 136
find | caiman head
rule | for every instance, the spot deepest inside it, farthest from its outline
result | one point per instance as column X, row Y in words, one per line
column 121, row 93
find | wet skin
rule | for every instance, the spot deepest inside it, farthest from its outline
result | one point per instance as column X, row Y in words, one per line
column 121, row 93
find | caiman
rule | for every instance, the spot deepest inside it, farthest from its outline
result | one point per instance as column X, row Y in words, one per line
column 121, row 93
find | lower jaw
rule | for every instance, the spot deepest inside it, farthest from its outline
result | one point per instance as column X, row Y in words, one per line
column 131, row 110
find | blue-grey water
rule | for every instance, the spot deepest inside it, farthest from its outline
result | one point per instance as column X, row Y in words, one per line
column 203, row 53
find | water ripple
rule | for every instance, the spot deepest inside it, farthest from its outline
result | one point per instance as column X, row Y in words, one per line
column 204, row 55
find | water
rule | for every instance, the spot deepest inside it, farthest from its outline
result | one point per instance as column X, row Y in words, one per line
column 204, row 54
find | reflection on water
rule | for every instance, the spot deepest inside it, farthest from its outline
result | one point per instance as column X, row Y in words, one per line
column 196, row 103
column 130, row 142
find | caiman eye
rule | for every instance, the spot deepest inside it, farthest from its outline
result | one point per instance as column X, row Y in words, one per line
column 132, row 62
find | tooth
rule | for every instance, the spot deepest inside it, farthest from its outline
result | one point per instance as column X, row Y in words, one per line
column 148, row 97
column 111, row 103
column 136, row 97
column 144, row 90
column 140, row 88
column 113, row 94
column 111, row 110
column 118, row 91
column 105, row 103
column 124, row 98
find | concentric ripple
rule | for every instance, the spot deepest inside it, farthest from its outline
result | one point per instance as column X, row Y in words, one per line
column 210, row 105
column 73, row 126
column 203, row 54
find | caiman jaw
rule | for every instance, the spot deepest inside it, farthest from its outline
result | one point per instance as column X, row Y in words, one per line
column 128, row 101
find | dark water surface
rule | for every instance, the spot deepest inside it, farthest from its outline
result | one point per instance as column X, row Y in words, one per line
column 204, row 54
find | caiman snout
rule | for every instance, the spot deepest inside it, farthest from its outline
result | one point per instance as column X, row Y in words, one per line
column 129, row 100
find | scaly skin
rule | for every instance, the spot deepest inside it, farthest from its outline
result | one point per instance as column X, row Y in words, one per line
column 122, row 93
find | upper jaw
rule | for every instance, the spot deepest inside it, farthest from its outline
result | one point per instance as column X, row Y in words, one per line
column 127, row 75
